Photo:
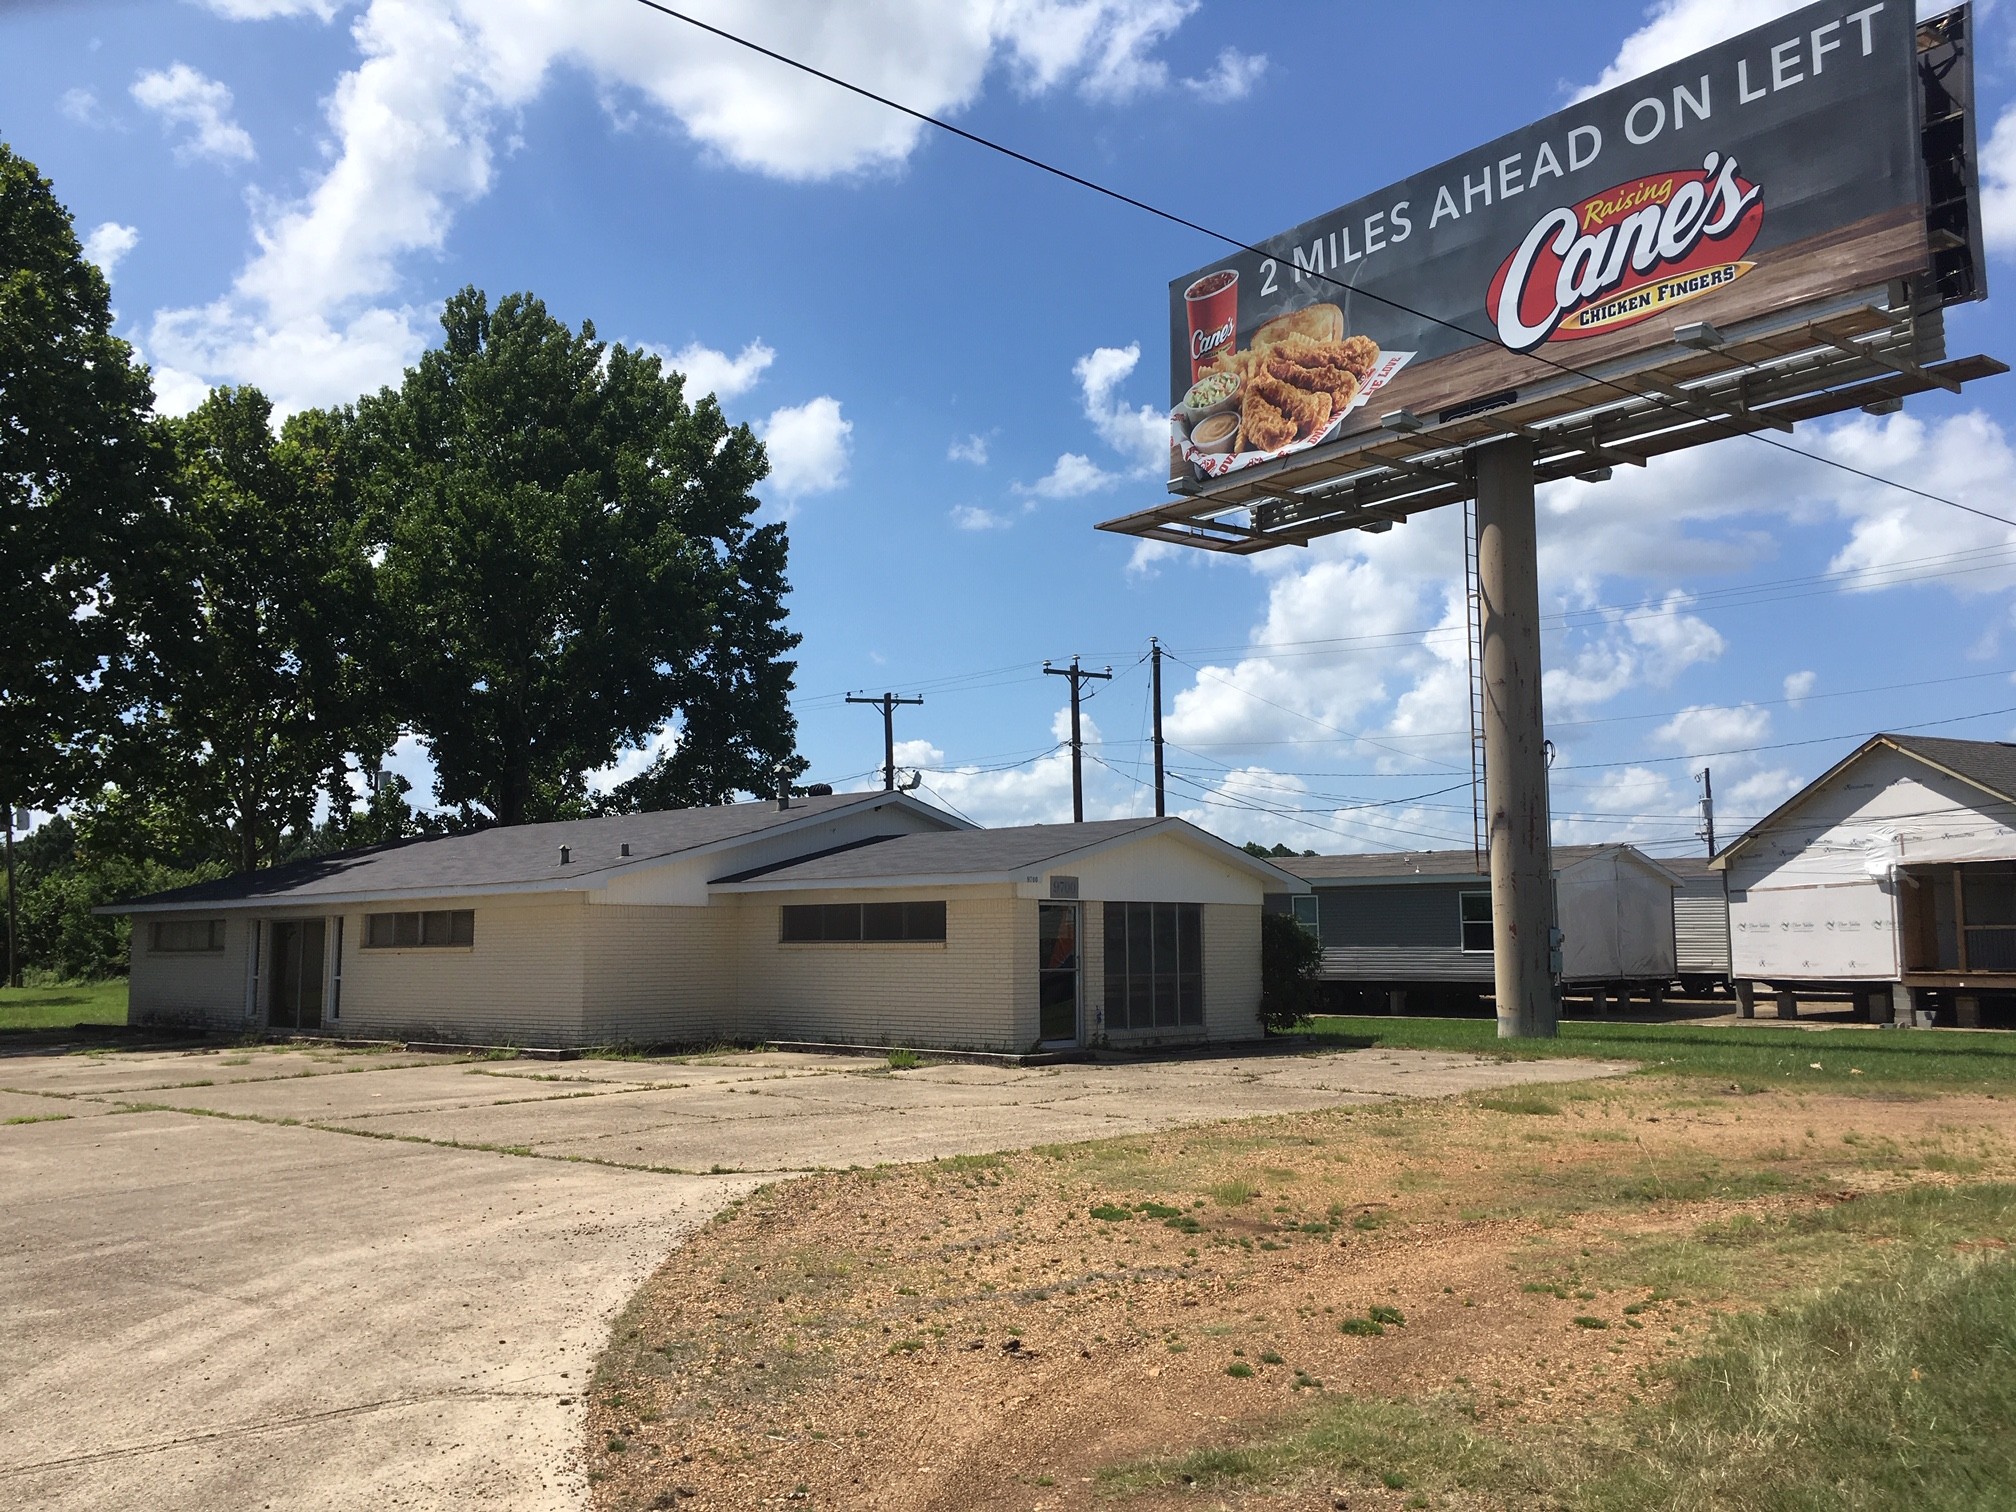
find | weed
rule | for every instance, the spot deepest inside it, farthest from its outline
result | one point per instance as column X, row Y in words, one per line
column 1230, row 1194
column 1106, row 1212
column 1239, row 1370
column 1384, row 1314
column 1520, row 1102
column 1362, row 1328
column 28, row 1118
column 904, row 1060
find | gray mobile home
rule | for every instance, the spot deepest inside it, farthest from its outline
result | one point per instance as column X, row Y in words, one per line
column 1420, row 922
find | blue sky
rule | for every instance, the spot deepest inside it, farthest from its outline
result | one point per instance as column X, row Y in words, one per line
column 957, row 363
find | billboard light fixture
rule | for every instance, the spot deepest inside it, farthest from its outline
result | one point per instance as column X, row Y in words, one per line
column 1701, row 335
column 1891, row 406
column 1403, row 421
column 1596, row 475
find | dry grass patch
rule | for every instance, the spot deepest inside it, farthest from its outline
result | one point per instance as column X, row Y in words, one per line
column 1075, row 1326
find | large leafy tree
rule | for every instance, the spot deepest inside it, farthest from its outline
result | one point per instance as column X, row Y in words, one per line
column 266, row 629
column 80, row 481
column 573, row 563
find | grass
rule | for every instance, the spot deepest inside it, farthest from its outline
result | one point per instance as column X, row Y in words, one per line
column 904, row 1060
column 60, row 1007
column 1830, row 1059
column 1889, row 1382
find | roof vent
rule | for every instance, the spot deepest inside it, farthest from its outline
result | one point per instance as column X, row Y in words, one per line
column 783, row 802
column 819, row 790
column 566, row 854
column 625, row 847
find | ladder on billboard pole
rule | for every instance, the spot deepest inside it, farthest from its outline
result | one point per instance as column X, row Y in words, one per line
column 1473, row 658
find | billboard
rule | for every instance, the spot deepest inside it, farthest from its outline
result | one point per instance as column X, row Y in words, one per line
column 1774, row 170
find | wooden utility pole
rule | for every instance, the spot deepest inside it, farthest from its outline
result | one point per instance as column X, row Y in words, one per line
column 1515, row 759
column 1707, row 830
column 1079, row 677
column 888, row 703
column 1155, row 660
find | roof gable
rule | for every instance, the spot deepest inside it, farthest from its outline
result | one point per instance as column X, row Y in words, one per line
column 1986, row 765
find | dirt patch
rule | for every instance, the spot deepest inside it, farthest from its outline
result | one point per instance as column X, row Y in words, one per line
column 996, row 1331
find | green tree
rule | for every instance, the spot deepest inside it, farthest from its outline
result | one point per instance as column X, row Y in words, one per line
column 80, row 478
column 572, row 563
column 1291, row 959
column 268, row 632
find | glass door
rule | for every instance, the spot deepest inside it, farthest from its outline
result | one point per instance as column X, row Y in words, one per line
column 294, row 988
column 1057, row 976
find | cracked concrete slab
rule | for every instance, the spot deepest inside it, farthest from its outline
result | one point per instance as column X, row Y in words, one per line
column 223, row 1311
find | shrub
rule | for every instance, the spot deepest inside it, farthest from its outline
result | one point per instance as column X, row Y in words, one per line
column 1291, row 958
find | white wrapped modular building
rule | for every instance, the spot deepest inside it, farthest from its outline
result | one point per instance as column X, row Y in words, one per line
column 1891, row 877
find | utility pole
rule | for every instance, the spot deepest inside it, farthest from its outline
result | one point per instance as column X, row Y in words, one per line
column 1515, row 761
column 1707, row 830
column 1155, row 658
column 888, row 703
column 1078, row 677
column 13, row 913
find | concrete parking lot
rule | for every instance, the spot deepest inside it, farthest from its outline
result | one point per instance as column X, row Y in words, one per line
column 312, row 1277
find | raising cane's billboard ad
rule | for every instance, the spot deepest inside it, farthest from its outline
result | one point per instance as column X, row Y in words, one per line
column 1773, row 171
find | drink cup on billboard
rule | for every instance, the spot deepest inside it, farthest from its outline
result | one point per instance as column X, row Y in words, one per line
column 1213, row 303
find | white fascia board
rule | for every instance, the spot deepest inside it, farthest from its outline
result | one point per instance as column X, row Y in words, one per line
column 1403, row 879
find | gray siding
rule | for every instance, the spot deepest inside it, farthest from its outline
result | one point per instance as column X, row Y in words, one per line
column 1701, row 927
column 1407, row 932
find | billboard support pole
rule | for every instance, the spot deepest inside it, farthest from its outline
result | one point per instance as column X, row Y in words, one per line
column 1515, row 759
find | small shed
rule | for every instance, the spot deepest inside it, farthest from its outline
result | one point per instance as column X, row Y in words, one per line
column 1890, row 878
column 1700, row 923
column 1421, row 920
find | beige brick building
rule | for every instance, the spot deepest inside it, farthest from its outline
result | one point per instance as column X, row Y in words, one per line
column 855, row 918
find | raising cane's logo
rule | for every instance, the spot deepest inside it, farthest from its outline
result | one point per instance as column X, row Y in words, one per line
column 1627, row 254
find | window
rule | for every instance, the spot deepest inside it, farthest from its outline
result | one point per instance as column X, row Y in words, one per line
column 186, row 936
column 1306, row 912
column 876, row 923
column 435, row 929
column 1476, row 916
column 1154, row 965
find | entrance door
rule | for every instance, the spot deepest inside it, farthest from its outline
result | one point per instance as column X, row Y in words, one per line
column 1057, row 933
column 294, row 994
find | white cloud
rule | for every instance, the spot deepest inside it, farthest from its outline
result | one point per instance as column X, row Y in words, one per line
column 1074, row 474
column 1799, row 686
column 183, row 97
column 808, row 446
column 1037, row 792
column 262, row 10
column 973, row 449
column 81, row 105
column 973, row 517
column 1998, row 186
column 108, row 243
column 1679, row 28
column 712, row 372
column 1141, row 435
column 1232, row 77
column 412, row 133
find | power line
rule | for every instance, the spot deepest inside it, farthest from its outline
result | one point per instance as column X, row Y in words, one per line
column 1232, row 241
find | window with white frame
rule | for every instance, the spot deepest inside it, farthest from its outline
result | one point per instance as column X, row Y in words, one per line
column 1307, row 913
column 1475, row 912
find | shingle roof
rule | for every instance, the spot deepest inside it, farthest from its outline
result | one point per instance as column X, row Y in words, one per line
column 515, row 856
column 961, row 853
column 1458, row 864
column 1693, row 868
column 1992, row 763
